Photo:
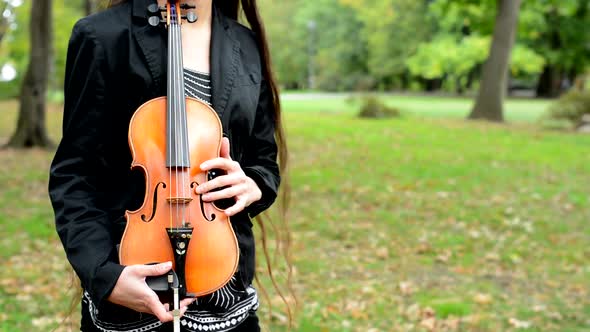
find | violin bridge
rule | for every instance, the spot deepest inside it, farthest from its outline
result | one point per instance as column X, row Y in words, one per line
column 179, row 200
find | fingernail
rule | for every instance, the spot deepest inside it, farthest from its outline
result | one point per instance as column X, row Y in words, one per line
column 168, row 264
column 204, row 165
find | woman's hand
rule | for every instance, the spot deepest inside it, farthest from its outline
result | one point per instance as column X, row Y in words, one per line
column 239, row 185
column 131, row 291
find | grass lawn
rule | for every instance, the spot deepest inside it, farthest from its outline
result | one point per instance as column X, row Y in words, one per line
column 516, row 110
column 423, row 223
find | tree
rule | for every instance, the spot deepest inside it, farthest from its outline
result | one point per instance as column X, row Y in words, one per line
column 488, row 104
column 30, row 129
column 3, row 19
column 393, row 31
column 335, row 43
column 559, row 36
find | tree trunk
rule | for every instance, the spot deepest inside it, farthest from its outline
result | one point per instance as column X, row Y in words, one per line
column 30, row 129
column 3, row 20
column 488, row 104
column 549, row 82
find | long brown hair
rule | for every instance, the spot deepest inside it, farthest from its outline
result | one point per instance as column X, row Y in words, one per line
column 249, row 9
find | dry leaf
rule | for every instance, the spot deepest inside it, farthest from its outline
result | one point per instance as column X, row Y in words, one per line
column 406, row 288
column 428, row 312
column 428, row 323
column 382, row 253
column 483, row 299
column 519, row 324
column 444, row 257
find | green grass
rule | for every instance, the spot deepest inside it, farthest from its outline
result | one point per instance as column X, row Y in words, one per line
column 516, row 110
column 397, row 224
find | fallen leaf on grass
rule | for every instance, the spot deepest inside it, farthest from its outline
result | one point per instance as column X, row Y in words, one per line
column 429, row 323
column 382, row 253
column 359, row 314
column 423, row 248
column 413, row 312
column 406, row 288
column 483, row 299
column 444, row 257
column 519, row 324
column 428, row 312
column 492, row 256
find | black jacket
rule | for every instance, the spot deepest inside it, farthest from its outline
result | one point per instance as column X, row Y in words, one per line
column 115, row 63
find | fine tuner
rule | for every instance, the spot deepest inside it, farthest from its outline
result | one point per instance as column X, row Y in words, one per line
column 155, row 19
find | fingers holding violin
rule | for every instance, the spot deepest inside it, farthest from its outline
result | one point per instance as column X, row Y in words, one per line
column 222, row 163
column 230, row 191
column 219, row 182
column 183, row 305
column 240, row 205
column 158, row 309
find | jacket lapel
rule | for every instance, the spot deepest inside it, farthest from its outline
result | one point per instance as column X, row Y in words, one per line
column 224, row 61
column 151, row 41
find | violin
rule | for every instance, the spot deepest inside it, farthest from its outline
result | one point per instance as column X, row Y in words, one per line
column 169, row 137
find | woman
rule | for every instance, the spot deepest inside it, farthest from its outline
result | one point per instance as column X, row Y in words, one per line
column 116, row 61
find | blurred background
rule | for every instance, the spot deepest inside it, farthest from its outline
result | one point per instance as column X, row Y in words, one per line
column 440, row 164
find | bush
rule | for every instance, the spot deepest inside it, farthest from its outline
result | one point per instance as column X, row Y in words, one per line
column 372, row 107
column 571, row 107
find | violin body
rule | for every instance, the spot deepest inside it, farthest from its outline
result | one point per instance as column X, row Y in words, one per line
column 171, row 202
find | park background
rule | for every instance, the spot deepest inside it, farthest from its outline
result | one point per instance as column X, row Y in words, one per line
column 439, row 168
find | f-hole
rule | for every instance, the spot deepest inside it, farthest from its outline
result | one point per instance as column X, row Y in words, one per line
column 154, row 203
column 193, row 185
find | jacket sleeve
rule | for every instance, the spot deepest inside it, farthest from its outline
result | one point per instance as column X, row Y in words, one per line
column 260, row 163
column 78, row 182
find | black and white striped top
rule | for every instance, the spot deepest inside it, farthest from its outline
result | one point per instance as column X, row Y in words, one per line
column 197, row 85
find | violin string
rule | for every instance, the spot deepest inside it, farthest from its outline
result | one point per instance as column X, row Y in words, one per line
column 187, row 177
column 169, row 124
column 174, row 115
column 182, row 109
column 182, row 112
column 177, row 118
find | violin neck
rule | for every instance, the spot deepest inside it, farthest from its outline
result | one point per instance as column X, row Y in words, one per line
column 176, row 127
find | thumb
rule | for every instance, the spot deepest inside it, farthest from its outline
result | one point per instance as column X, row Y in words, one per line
column 224, row 152
column 154, row 270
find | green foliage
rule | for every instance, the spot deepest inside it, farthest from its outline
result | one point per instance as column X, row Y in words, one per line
column 571, row 107
column 555, row 30
column 290, row 66
column 373, row 107
column 393, row 31
column 15, row 47
column 337, row 46
column 525, row 62
column 450, row 58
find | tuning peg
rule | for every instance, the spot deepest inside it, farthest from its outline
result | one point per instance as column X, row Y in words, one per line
column 187, row 6
column 190, row 17
column 154, row 9
column 155, row 21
